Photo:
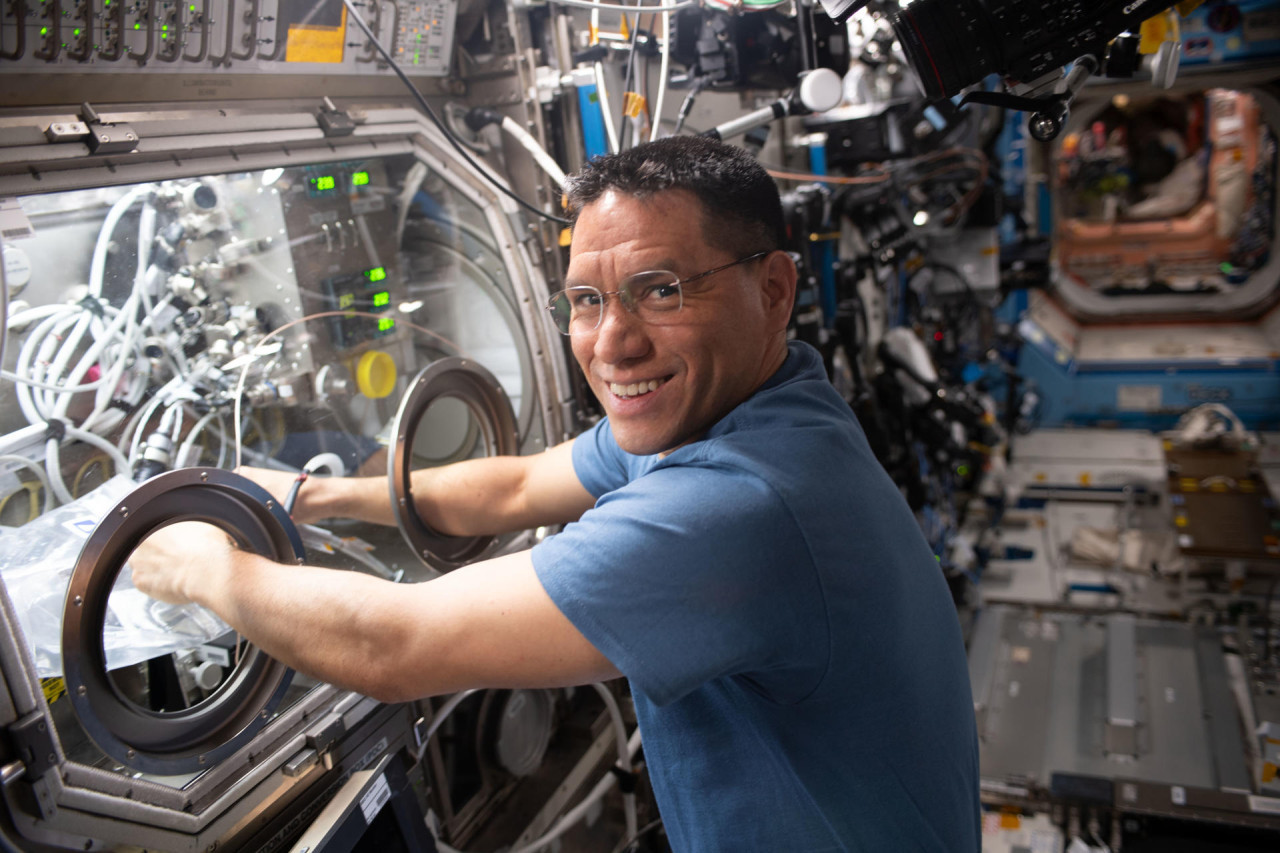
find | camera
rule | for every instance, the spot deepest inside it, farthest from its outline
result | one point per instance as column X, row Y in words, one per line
column 952, row 44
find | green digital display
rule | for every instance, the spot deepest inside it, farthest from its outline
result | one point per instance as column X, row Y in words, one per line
column 382, row 300
column 359, row 179
column 376, row 274
column 385, row 325
column 324, row 182
column 346, row 300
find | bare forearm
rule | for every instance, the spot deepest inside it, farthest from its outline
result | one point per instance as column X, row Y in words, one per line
column 360, row 498
column 501, row 494
column 340, row 631
column 476, row 497
column 485, row 625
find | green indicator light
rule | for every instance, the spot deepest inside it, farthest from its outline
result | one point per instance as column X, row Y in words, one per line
column 376, row 274
column 1226, row 267
column 193, row 8
column 137, row 26
column 382, row 300
column 386, row 324
column 325, row 182
column 963, row 470
column 44, row 31
column 163, row 36
column 359, row 179
column 76, row 32
column 164, row 27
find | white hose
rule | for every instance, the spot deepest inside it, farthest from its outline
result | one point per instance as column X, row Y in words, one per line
column 181, row 460
column 579, row 811
column 592, row 4
column 438, row 718
column 627, row 750
column 662, row 76
column 53, row 466
column 98, row 265
column 603, row 91
column 624, row 757
column 540, row 155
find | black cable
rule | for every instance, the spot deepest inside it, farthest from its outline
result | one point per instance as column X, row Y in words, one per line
column 431, row 114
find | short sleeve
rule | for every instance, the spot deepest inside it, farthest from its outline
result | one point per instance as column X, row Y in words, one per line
column 689, row 574
column 601, row 465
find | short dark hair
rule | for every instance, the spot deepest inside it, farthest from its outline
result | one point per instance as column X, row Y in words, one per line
column 743, row 213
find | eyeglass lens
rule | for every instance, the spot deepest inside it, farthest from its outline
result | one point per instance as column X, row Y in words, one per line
column 648, row 295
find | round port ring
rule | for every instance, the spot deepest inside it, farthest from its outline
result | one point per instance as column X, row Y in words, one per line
column 483, row 396
column 199, row 737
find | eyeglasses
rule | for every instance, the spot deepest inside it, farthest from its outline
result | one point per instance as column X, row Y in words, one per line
column 650, row 295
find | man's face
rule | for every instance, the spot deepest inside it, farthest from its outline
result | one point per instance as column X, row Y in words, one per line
column 664, row 385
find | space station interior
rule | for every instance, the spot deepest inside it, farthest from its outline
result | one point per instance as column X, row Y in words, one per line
column 1036, row 250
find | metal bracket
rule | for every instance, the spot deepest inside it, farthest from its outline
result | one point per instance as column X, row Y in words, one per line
column 107, row 138
column 326, row 734
column 34, row 743
column 67, row 131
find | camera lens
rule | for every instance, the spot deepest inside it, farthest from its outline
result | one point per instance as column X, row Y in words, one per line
column 950, row 43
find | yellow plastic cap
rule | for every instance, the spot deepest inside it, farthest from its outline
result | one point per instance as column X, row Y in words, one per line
column 376, row 374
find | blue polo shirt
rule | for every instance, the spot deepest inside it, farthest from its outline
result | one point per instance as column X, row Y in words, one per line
column 795, row 659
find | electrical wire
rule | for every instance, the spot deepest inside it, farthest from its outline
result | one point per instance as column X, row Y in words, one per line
column 435, row 119
column 828, row 179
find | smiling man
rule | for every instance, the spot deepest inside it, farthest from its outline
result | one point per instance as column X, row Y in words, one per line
column 731, row 546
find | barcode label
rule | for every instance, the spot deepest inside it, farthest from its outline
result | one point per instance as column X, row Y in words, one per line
column 375, row 798
column 14, row 224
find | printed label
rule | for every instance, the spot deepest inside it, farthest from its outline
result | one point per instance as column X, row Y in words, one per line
column 375, row 798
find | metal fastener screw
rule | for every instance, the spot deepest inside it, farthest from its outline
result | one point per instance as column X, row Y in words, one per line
column 124, row 511
column 78, row 600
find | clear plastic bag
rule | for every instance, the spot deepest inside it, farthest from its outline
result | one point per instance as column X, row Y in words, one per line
column 36, row 561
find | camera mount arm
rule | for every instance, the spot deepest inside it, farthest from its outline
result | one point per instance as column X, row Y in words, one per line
column 1048, row 112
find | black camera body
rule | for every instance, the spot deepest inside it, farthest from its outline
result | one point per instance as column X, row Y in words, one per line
column 952, row 44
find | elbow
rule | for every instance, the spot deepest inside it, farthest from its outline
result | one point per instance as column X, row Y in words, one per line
column 384, row 683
